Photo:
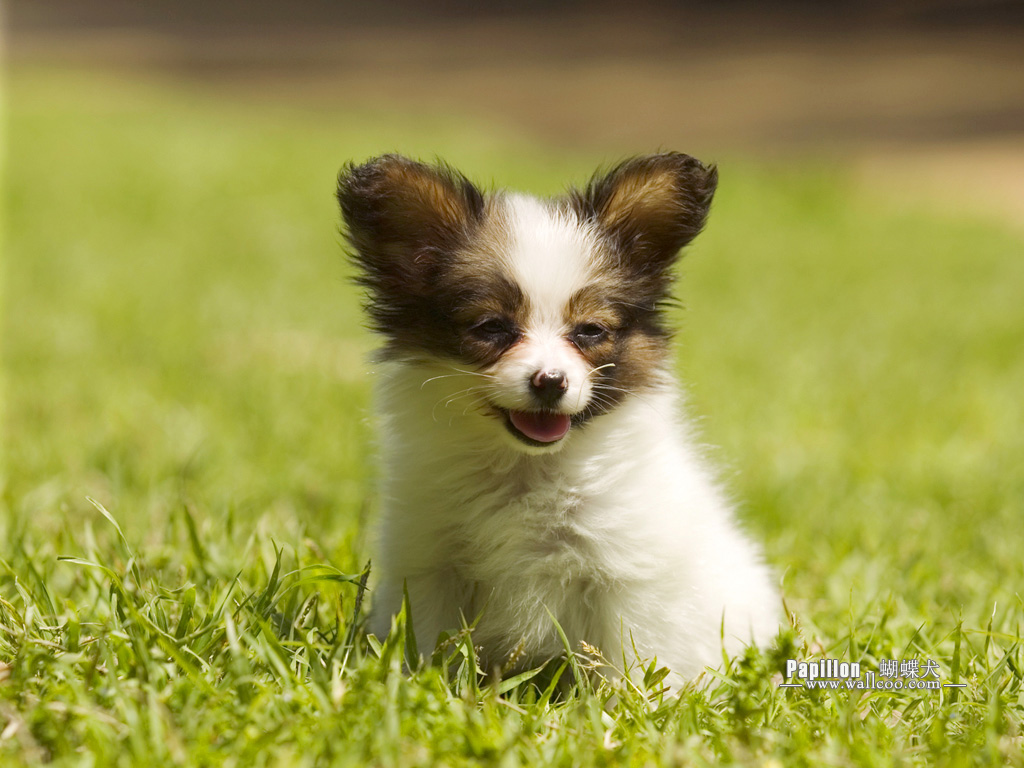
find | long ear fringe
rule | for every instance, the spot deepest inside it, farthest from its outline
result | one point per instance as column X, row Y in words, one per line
column 401, row 215
column 396, row 198
column 403, row 220
column 649, row 206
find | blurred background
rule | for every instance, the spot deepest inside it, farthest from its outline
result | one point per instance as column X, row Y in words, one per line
column 181, row 343
column 180, row 331
column 931, row 88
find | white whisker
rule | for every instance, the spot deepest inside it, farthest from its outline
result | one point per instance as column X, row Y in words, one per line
column 459, row 372
column 639, row 397
column 589, row 374
column 447, row 400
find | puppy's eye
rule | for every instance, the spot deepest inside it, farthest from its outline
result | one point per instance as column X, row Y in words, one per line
column 588, row 334
column 495, row 331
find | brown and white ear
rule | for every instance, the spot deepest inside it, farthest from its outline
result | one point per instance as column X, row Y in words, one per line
column 649, row 206
column 403, row 217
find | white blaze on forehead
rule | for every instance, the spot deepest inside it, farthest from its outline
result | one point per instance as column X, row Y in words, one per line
column 550, row 255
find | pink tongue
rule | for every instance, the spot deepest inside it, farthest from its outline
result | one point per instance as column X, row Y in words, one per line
column 542, row 427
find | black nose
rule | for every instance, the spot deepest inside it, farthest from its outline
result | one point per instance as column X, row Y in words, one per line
column 548, row 386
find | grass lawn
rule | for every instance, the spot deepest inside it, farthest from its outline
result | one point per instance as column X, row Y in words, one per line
column 187, row 459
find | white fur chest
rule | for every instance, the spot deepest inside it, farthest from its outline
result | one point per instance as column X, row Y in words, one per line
column 509, row 540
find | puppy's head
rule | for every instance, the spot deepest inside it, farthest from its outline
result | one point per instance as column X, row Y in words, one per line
column 551, row 308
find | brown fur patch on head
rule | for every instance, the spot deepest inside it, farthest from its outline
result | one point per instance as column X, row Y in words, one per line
column 648, row 208
column 430, row 250
column 594, row 304
column 631, row 354
column 406, row 221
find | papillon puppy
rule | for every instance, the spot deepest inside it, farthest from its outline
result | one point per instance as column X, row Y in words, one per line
column 536, row 468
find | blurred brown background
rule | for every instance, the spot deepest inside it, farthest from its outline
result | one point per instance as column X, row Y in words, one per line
column 923, row 94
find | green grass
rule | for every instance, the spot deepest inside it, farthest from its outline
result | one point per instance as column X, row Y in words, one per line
column 183, row 355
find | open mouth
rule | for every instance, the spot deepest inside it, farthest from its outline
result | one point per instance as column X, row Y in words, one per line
column 538, row 427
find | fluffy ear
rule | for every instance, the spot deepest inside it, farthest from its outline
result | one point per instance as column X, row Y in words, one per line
column 649, row 206
column 403, row 218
